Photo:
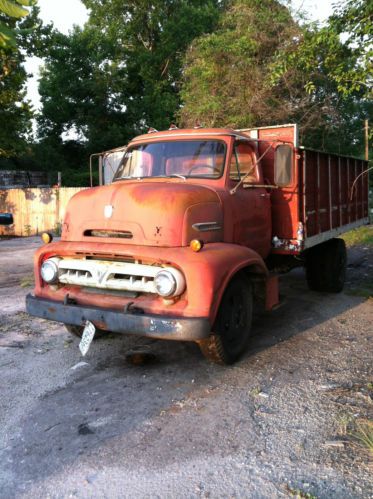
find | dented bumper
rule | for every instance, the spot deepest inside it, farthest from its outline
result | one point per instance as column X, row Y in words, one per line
column 153, row 326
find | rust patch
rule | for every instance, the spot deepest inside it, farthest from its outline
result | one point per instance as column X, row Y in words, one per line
column 100, row 325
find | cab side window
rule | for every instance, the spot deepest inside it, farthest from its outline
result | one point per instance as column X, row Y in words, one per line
column 243, row 163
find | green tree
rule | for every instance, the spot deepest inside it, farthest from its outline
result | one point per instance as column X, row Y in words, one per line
column 228, row 75
column 15, row 110
column 336, row 63
column 260, row 67
column 120, row 74
column 353, row 19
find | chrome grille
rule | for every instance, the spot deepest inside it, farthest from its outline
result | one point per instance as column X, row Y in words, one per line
column 108, row 275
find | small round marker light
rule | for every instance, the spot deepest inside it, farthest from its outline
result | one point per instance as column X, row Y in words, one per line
column 196, row 245
column 46, row 237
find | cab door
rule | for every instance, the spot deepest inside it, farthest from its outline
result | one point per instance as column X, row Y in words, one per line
column 250, row 203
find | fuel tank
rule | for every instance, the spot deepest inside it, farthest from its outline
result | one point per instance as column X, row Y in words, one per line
column 146, row 212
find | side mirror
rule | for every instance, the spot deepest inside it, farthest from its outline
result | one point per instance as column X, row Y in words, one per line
column 6, row 219
column 283, row 165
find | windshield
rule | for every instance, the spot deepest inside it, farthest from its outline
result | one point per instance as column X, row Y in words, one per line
column 184, row 159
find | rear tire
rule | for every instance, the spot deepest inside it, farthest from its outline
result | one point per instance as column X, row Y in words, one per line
column 326, row 266
column 232, row 328
column 78, row 331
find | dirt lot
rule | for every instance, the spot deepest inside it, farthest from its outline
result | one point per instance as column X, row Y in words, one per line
column 277, row 424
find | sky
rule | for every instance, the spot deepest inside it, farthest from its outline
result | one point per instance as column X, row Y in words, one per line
column 64, row 14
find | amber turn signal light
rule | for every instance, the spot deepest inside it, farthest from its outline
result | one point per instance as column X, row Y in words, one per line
column 46, row 237
column 196, row 245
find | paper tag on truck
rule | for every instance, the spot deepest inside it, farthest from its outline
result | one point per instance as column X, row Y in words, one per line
column 87, row 337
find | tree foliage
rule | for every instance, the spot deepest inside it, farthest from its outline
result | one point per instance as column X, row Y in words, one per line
column 120, row 73
column 227, row 73
column 137, row 64
column 106, row 82
column 260, row 67
column 353, row 19
column 15, row 110
column 16, row 10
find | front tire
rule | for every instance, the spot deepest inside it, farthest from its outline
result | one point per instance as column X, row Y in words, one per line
column 326, row 266
column 232, row 327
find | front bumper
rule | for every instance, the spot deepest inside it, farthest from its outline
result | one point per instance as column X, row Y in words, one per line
column 153, row 326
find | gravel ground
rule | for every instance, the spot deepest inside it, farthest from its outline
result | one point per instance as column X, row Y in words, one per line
column 276, row 424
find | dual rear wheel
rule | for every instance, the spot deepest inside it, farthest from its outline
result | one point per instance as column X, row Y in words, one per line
column 326, row 266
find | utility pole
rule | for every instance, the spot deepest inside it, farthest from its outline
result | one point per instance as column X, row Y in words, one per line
column 366, row 128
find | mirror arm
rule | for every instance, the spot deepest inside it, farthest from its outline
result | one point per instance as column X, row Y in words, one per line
column 233, row 191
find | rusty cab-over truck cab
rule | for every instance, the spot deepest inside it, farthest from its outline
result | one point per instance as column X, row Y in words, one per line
column 194, row 224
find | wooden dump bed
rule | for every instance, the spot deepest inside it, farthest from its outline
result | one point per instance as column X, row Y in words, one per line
column 328, row 193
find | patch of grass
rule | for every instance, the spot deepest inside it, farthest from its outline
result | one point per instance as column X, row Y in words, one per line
column 27, row 281
column 27, row 230
column 57, row 229
column 363, row 434
column 255, row 392
column 365, row 290
column 362, row 235
column 300, row 494
column 343, row 421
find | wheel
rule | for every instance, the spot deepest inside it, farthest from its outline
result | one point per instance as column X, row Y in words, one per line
column 78, row 331
column 326, row 266
column 232, row 326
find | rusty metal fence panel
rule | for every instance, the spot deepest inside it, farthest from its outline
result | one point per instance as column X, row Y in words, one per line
column 35, row 209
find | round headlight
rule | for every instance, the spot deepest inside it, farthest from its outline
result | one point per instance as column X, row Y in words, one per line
column 165, row 283
column 49, row 270
column 169, row 282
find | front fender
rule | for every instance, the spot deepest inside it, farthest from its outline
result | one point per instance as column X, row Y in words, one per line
column 219, row 263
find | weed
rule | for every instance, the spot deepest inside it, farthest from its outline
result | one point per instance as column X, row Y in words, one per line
column 300, row 494
column 362, row 235
column 365, row 290
column 363, row 434
column 27, row 281
column 343, row 421
column 58, row 229
column 255, row 391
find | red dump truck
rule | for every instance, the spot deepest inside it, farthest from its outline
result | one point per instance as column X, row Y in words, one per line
column 193, row 229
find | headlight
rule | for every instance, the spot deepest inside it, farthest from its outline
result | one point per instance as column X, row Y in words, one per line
column 169, row 282
column 49, row 270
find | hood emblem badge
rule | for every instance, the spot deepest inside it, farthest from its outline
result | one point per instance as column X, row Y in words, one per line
column 108, row 210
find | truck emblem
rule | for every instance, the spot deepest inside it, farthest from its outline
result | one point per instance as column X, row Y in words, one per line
column 108, row 210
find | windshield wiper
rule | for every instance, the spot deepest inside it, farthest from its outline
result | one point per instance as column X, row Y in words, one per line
column 121, row 178
column 177, row 175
